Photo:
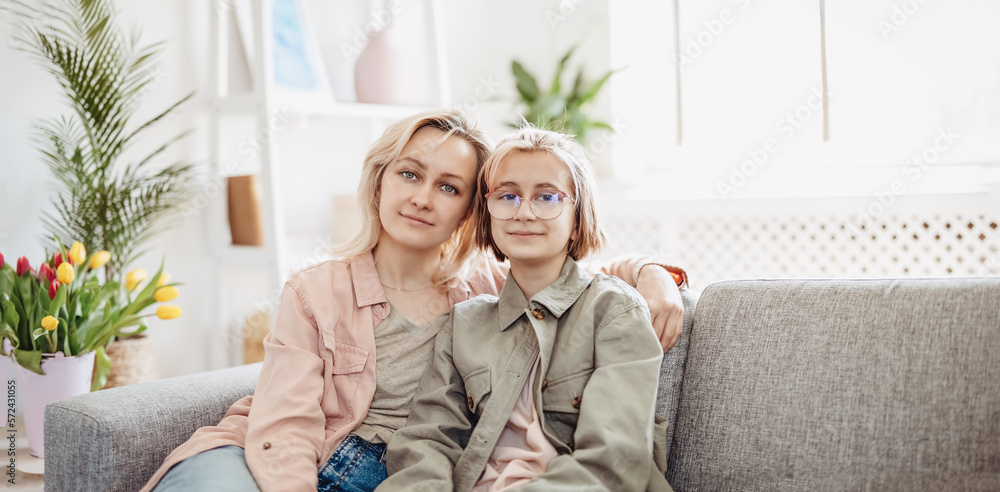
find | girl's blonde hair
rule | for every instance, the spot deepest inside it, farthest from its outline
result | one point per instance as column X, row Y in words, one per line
column 457, row 252
column 589, row 235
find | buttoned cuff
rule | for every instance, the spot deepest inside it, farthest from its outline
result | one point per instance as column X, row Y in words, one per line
column 680, row 276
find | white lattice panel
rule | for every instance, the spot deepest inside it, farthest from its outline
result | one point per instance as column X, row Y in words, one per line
column 931, row 236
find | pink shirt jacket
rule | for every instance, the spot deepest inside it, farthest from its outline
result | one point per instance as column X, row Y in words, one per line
column 318, row 375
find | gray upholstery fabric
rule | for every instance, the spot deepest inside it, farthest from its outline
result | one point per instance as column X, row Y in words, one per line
column 777, row 385
column 672, row 368
column 113, row 440
column 842, row 385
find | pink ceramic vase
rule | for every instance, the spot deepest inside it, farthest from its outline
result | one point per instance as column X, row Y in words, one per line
column 377, row 74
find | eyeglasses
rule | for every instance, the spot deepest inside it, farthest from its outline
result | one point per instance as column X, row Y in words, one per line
column 546, row 204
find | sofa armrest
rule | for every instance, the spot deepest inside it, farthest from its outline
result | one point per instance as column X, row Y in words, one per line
column 115, row 439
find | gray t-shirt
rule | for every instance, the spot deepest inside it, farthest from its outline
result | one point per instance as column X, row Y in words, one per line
column 403, row 351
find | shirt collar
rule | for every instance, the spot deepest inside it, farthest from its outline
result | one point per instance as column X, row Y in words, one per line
column 557, row 297
column 367, row 286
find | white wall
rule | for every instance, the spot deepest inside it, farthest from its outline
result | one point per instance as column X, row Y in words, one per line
column 321, row 158
column 482, row 39
column 899, row 73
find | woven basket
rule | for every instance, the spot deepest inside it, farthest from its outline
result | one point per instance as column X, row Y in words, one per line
column 132, row 361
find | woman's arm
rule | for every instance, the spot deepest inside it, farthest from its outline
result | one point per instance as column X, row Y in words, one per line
column 422, row 455
column 286, row 423
column 658, row 283
column 613, row 447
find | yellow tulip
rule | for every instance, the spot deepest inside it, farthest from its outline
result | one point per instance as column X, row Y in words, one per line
column 50, row 323
column 134, row 277
column 99, row 259
column 164, row 279
column 168, row 311
column 164, row 294
column 77, row 253
column 65, row 273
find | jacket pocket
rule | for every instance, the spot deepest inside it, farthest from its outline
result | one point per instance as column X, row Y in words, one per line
column 344, row 379
column 566, row 393
column 478, row 386
column 561, row 401
column 348, row 359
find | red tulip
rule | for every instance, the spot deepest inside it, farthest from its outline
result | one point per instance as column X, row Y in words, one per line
column 23, row 266
column 1, row 260
column 53, row 289
column 57, row 260
column 45, row 273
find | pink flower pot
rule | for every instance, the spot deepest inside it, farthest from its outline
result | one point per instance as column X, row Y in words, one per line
column 64, row 377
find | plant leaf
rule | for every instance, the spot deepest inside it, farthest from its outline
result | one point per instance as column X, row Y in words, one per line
column 557, row 80
column 29, row 359
column 527, row 86
column 102, row 367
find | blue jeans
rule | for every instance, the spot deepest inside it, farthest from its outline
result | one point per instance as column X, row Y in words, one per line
column 356, row 466
column 223, row 469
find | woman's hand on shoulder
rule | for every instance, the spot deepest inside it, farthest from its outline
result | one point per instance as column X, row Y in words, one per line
column 666, row 307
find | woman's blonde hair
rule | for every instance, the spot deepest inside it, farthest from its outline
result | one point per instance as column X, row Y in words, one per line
column 589, row 235
column 460, row 247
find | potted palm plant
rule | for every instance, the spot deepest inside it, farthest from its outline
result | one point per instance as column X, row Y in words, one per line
column 104, row 72
column 104, row 201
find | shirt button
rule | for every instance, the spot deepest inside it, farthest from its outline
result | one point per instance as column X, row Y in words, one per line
column 537, row 313
column 545, row 382
column 469, row 401
column 267, row 445
column 576, row 402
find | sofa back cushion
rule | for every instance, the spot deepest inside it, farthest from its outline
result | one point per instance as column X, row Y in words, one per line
column 841, row 384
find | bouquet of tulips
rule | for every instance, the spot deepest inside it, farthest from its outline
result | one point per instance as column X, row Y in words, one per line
column 65, row 307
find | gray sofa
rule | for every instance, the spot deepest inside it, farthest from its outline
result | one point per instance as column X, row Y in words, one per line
column 775, row 385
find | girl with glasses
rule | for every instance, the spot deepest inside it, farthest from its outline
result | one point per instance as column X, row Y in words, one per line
column 552, row 384
column 352, row 336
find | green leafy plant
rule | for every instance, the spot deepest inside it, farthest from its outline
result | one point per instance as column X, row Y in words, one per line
column 67, row 307
column 559, row 108
column 104, row 73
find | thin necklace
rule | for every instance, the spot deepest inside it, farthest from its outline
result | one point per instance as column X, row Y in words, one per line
column 407, row 290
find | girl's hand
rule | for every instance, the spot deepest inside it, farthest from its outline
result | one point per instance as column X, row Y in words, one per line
column 666, row 308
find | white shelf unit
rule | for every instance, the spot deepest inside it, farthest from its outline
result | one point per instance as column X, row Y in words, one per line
column 262, row 103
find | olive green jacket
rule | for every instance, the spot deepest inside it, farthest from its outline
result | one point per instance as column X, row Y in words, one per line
column 595, row 385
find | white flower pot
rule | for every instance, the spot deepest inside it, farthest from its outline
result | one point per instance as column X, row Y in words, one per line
column 64, row 377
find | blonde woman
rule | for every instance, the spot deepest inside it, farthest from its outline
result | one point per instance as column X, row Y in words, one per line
column 321, row 413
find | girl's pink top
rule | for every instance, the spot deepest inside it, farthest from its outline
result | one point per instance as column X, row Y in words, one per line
column 522, row 450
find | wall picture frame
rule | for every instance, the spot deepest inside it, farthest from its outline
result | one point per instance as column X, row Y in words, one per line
column 298, row 74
